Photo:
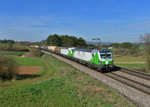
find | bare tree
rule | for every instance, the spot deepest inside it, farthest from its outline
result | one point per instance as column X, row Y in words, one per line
column 146, row 41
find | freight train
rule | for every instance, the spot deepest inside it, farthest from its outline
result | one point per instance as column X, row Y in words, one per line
column 99, row 59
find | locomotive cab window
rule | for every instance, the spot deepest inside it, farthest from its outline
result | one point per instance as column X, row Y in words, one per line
column 106, row 55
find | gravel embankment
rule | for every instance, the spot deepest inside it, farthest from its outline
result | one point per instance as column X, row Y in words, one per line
column 138, row 98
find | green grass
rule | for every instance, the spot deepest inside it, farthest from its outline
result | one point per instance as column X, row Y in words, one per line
column 129, row 59
column 14, row 44
column 27, row 61
column 60, row 86
column 11, row 53
column 130, row 62
column 3, row 43
column 132, row 65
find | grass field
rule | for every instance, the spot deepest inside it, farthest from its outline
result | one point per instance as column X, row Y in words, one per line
column 3, row 43
column 27, row 61
column 15, row 46
column 130, row 62
column 129, row 59
column 140, row 66
column 60, row 85
column 11, row 53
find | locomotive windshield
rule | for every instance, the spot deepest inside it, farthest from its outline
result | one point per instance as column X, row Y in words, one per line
column 105, row 54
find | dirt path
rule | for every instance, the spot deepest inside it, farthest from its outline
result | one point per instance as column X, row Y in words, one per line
column 29, row 70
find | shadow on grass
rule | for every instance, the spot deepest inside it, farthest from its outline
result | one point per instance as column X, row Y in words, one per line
column 26, row 76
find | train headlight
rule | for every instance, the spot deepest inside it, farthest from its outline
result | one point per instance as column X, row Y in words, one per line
column 106, row 62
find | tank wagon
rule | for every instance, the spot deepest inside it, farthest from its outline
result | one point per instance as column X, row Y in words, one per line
column 54, row 49
column 100, row 59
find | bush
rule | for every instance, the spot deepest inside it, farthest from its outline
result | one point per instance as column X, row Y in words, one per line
column 8, row 68
column 34, row 52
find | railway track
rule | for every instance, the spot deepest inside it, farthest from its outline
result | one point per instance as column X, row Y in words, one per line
column 136, row 73
column 132, row 83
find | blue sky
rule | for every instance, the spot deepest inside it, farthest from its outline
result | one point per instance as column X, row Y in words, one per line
column 110, row 20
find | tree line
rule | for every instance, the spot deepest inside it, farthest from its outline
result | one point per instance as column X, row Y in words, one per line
column 65, row 41
column 124, row 45
column 7, row 41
